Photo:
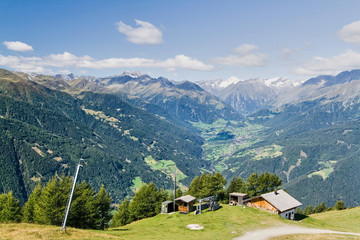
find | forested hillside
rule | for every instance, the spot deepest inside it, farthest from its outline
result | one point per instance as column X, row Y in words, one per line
column 44, row 132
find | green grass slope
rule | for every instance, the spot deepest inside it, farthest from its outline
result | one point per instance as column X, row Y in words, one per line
column 225, row 223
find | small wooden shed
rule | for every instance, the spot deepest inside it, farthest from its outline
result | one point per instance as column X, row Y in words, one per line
column 167, row 207
column 185, row 203
column 237, row 198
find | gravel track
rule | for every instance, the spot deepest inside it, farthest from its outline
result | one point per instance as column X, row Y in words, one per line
column 267, row 233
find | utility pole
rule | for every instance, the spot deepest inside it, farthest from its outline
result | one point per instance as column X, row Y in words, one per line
column 174, row 185
column 71, row 195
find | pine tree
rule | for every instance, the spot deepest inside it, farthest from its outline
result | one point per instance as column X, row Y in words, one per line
column 195, row 187
column 9, row 208
column 252, row 185
column 263, row 183
column 83, row 208
column 308, row 210
column 146, row 202
column 51, row 205
column 122, row 216
column 268, row 182
column 208, row 185
column 103, row 201
column 236, row 185
column 320, row 208
column 29, row 207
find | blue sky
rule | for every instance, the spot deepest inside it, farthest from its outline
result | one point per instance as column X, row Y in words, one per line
column 181, row 40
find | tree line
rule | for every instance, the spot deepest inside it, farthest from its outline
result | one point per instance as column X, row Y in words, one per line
column 147, row 200
column 46, row 205
column 339, row 205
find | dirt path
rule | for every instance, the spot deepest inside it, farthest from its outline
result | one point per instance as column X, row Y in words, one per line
column 267, row 233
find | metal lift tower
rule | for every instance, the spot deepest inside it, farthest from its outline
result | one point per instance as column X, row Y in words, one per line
column 71, row 195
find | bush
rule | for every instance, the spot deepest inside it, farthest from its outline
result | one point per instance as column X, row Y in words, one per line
column 340, row 205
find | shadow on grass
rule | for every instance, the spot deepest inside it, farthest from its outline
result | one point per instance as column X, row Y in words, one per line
column 120, row 229
column 299, row 217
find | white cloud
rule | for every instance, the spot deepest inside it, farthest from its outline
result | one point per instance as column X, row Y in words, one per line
column 250, row 60
column 333, row 65
column 23, row 64
column 185, row 62
column 65, row 59
column 246, row 49
column 244, row 55
column 350, row 32
column 179, row 61
column 18, row 46
column 146, row 33
column 43, row 65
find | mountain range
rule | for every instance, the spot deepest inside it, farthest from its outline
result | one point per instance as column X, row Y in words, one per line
column 251, row 95
column 132, row 128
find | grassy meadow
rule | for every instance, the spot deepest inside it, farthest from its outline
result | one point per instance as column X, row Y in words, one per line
column 226, row 223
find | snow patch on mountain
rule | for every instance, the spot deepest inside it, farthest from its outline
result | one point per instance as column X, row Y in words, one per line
column 133, row 74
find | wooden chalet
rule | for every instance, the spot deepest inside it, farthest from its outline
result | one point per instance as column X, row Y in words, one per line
column 278, row 202
column 237, row 198
column 185, row 203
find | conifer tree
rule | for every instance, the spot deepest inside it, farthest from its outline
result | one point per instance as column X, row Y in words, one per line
column 83, row 208
column 9, row 208
column 122, row 216
column 268, row 182
column 252, row 184
column 51, row 205
column 29, row 207
column 146, row 202
column 236, row 185
column 263, row 183
column 308, row 210
column 208, row 185
column 195, row 187
column 320, row 208
column 103, row 201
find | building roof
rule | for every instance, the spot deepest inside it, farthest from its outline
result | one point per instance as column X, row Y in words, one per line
column 187, row 198
column 238, row 194
column 167, row 202
column 281, row 200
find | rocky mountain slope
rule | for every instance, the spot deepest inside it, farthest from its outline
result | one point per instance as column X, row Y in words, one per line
column 185, row 101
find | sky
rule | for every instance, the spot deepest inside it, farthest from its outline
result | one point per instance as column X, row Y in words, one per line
column 181, row 40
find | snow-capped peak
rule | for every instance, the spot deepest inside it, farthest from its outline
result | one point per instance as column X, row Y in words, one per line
column 278, row 82
column 229, row 81
column 134, row 74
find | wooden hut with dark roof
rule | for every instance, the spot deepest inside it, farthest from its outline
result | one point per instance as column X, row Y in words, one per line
column 185, row 203
column 278, row 202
